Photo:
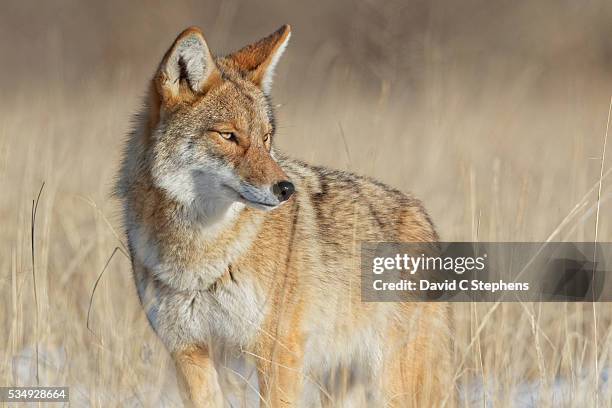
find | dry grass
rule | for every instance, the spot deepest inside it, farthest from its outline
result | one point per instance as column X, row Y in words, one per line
column 495, row 118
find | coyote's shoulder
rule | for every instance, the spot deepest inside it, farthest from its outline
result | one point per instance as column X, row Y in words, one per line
column 346, row 203
column 241, row 252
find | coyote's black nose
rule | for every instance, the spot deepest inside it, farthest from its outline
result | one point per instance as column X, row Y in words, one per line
column 283, row 190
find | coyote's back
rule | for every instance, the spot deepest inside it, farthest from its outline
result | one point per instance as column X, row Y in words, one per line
column 242, row 253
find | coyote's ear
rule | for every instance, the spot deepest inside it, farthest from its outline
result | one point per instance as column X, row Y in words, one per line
column 259, row 59
column 187, row 69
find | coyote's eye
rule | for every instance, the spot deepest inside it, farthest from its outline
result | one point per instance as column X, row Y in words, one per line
column 231, row 136
column 266, row 137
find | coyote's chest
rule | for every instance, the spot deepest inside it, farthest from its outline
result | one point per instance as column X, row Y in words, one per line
column 230, row 311
column 191, row 293
column 190, row 255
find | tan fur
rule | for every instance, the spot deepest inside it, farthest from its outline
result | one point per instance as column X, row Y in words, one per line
column 278, row 287
column 197, row 377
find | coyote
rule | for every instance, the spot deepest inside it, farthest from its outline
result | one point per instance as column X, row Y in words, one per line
column 242, row 254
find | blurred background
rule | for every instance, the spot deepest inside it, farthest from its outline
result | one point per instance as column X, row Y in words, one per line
column 493, row 113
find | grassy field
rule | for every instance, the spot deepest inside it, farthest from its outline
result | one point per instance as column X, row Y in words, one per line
column 493, row 113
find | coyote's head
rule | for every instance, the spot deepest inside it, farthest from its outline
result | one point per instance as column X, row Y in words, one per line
column 212, row 126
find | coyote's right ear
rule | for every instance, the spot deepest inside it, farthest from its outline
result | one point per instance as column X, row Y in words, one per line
column 187, row 69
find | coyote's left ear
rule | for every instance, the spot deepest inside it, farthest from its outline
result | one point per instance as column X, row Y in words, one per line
column 258, row 60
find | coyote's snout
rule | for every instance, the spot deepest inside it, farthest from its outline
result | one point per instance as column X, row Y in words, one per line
column 220, row 279
column 267, row 197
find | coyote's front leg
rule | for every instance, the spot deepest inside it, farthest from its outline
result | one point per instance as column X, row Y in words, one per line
column 197, row 377
column 280, row 369
column 281, row 380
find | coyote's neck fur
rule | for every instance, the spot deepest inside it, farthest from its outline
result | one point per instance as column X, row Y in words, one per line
column 182, row 244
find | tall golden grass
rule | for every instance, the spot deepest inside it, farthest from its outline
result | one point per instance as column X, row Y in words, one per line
column 493, row 113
